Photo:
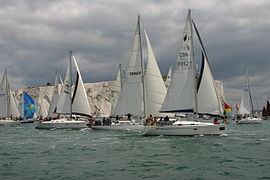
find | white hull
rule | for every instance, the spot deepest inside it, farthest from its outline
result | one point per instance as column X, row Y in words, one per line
column 249, row 120
column 185, row 128
column 9, row 122
column 62, row 124
column 29, row 120
column 119, row 127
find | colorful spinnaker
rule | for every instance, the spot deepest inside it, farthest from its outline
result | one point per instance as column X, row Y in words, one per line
column 29, row 106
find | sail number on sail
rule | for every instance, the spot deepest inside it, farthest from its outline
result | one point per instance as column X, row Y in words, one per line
column 135, row 73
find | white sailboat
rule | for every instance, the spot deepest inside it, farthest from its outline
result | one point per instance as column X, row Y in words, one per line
column 142, row 93
column 246, row 107
column 131, row 97
column 8, row 107
column 187, row 95
column 68, row 104
column 132, row 92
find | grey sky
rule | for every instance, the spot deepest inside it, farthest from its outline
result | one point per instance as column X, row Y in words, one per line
column 36, row 35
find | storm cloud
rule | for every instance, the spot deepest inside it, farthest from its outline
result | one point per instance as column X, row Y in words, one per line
column 36, row 35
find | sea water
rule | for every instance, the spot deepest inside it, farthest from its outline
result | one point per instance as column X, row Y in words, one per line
column 27, row 153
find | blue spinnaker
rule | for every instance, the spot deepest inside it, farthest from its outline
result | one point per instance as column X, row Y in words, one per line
column 29, row 106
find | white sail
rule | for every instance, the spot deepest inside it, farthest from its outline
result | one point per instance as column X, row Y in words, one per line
column 117, row 89
column 56, row 95
column 246, row 104
column 42, row 104
column 63, row 105
column 7, row 99
column 3, row 96
column 208, row 100
column 155, row 89
column 131, row 96
column 168, row 78
column 80, row 103
column 13, row 107
column 180, row 95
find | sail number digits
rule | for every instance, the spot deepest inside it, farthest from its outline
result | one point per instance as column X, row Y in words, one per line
column 135, row 73
column 184, row 64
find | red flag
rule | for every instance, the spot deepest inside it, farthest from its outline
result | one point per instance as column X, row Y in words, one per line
column 226, row 106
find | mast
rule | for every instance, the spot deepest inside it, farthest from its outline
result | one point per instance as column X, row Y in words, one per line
column 192, row 60
column 70, row 84
column 142, row 66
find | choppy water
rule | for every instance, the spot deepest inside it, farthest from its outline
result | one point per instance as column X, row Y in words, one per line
column 28, row 153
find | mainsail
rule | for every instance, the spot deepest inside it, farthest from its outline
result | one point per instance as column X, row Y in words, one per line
column 8, row 105
column 78, row 103
column 117, row 88
column 56, row 94
column 246, row 106
column 181, row 92
column 64, row 103
column 131, row 96
column 155, row 89
column 185, row 94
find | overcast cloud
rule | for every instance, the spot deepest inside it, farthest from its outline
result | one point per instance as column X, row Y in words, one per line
column 36, row 35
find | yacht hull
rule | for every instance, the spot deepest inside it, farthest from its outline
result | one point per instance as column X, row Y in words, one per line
column 249, row 120
column 119, row 127
column 186, row 129
column 62, row 124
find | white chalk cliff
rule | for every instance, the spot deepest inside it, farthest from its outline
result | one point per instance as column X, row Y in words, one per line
column 101, row 96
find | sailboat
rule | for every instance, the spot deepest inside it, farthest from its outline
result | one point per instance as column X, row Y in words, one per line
column 8, row 107
column 186, row 94
column 266, row 111
column 246, row 107
column 142, row 93
column 70, row 105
